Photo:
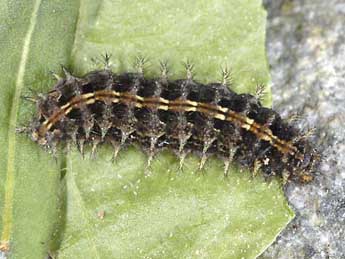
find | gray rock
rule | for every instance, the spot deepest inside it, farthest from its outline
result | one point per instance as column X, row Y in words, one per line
column 306, row 51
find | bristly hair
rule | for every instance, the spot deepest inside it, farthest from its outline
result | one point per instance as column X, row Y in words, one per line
column 183, row 115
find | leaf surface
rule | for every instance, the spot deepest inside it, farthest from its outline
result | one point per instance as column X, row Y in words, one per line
column 105, row 210
column 115, row 210
column 36, row 36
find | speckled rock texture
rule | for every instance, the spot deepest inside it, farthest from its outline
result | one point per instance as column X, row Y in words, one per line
column 306, row 51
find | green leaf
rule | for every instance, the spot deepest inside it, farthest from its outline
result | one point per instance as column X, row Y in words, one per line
column 171, row 214
column 36, row 36
column 167, row 214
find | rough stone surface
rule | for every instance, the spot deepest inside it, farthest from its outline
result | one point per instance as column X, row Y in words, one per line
column 306, row 51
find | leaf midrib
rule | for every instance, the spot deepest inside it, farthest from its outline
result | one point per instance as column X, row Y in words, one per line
column 10, row 170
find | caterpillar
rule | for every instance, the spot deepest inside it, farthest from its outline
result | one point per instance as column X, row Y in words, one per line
column 183, row 115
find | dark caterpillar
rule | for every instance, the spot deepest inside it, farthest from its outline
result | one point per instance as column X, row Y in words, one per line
column 184, row 115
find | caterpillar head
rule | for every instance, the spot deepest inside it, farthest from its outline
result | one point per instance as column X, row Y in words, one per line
column 304, row 169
